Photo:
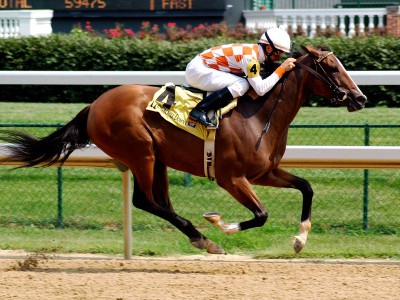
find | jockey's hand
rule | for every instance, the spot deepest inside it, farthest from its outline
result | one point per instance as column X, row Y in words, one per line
column 288, row 64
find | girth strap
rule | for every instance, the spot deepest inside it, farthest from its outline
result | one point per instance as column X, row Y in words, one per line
column 209, row 155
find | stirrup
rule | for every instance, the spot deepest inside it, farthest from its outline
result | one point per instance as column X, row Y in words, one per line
column 201, row 117
column 206, row 123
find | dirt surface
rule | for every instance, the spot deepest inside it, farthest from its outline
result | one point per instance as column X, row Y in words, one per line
column 35, row 276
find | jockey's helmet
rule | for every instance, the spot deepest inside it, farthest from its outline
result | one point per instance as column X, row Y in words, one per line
column 277, row 38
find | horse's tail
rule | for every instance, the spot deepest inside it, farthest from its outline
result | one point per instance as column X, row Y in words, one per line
column 46, row 151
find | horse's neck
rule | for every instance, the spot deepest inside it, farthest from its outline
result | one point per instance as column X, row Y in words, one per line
column 281, row 106
column 284, row 102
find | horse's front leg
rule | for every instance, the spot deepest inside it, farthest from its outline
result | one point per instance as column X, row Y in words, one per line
column 280, row 178
column 242, row 191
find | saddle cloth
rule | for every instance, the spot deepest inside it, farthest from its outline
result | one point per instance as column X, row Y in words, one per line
column 174, row 104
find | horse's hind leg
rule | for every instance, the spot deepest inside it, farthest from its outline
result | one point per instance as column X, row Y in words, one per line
column 281, row 178
column 159, row 204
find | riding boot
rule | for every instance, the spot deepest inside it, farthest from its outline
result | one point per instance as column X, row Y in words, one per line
column 213, row 101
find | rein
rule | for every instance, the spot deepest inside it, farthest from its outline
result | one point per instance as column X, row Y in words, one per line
column 278, row 99
column 333, row 86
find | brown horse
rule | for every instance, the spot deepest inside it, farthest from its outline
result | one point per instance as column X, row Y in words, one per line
column 250, row 143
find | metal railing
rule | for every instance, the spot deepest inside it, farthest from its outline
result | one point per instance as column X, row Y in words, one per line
column 367, row 142
column 365, row 157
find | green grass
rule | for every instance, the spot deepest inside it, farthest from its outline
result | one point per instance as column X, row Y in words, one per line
column 340, row 115
column 38, row 112
column 260, row 242
column 92, row 208
column 61, row 112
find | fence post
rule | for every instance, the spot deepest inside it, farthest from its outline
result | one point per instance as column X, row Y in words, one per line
column 60, row 223
column 127, row 204
column 366, row 181
column 187, row 179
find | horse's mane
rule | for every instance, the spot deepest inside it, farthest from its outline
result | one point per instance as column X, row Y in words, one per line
column 297, row 53
column 300, row 52
column 268, row 69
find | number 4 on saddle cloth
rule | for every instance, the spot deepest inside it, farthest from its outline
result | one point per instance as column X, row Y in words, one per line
column 174, row 104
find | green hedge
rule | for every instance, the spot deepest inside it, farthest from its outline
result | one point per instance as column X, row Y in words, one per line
column 84, row 52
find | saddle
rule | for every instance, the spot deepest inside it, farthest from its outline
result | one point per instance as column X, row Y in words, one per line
column 174, row 104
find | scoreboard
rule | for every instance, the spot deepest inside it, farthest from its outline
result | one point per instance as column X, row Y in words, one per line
column 143, row 5
column 105, row 14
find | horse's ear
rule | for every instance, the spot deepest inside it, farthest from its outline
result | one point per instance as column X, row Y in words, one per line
column 310, row 50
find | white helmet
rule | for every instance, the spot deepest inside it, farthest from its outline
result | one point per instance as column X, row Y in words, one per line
column 277, row 38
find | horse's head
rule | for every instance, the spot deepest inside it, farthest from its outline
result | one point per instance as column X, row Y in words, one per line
column 333, row 81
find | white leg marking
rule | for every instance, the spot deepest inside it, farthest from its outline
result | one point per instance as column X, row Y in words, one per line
column 215, row 219
column 300, row 240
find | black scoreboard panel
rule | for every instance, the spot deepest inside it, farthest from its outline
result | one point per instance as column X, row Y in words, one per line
column 143, row 5
column 105, row 14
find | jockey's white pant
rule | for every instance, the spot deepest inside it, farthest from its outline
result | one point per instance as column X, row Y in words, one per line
column 202, row 77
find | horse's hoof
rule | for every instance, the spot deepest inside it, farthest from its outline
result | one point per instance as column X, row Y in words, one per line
column 198, row 243
column 213, row 217
column 213, row 248
column 298, row 243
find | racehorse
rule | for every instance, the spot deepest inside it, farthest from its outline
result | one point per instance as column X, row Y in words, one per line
column 250, row 143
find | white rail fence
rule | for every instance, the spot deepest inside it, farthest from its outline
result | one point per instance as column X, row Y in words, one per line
column 14, row 23
column 365, row 157
column 333, row 157
column 309, row 20
column 311, row 157
column 151, row 77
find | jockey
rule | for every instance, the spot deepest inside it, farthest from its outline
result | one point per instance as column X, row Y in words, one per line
column 229, row 70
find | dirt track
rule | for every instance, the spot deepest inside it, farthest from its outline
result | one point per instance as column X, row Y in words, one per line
column 194, row 277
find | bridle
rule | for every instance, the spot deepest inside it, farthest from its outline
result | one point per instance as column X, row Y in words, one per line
column 333, row 86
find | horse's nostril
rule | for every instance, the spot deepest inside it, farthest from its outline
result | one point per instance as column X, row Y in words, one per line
column 361, row 99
